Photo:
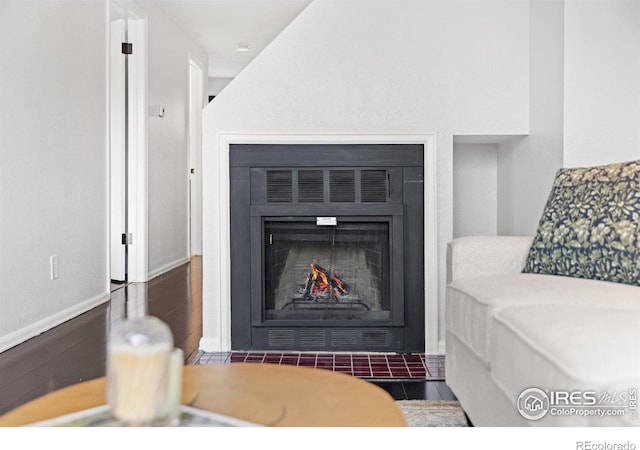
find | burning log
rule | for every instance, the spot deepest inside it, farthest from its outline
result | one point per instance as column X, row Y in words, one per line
column 321, row 282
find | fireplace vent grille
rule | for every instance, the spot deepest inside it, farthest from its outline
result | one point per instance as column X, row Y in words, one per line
column 373, row 186
column 344, row 338
column 312, row 338
column 281, row 338
column 311, row 186
column 377, row 338
column 344, row 186
column 279, row 186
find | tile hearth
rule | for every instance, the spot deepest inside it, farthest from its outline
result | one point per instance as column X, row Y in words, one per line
column 371, row 366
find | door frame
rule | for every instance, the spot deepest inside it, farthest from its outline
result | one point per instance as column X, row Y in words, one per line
column 116, row 101
column 137, row 195
column 196, row 103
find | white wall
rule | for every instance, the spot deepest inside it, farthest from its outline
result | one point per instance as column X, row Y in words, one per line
column 168, row 146
column 217, row 84
column 475, row 190
column 54, row 158
column 585, row 102
column 53, row 163
column 602, row 92
column 527, row 166
column 371, row 67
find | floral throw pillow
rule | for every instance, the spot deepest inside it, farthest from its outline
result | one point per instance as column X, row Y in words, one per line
column 590, row 226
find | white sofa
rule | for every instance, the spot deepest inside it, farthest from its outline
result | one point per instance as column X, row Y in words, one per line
column 507, row 331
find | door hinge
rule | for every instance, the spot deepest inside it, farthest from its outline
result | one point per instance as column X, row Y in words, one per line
column 126, row 241
column 127, row 48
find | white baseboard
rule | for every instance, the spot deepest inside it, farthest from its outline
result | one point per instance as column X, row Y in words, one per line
column 39, row 327
column 167, row 267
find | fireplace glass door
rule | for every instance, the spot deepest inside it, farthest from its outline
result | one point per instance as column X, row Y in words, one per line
column 327, row 273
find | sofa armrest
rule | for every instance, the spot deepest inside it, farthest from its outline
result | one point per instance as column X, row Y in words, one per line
column 476, row 256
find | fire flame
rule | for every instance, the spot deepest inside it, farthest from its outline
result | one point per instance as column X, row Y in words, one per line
column 322, row 282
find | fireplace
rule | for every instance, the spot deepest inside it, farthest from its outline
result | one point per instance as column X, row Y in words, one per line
column 327, row 247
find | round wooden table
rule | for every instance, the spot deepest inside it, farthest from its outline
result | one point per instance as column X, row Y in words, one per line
column 266, row 394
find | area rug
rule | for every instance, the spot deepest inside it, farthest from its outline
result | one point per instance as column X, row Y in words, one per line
column 432, row 413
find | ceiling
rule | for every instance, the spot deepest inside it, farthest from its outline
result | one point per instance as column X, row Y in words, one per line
column 218, row 26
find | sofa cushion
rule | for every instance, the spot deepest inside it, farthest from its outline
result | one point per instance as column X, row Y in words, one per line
column 566, row 347
column 590, row 226
column 472, row 302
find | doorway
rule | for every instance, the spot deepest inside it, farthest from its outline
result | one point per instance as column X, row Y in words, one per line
column 128, row 144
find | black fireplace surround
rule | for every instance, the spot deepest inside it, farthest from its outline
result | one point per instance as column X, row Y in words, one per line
column 327, row 247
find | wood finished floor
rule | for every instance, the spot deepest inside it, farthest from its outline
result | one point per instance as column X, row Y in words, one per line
column 174, row 297
column 76, row 350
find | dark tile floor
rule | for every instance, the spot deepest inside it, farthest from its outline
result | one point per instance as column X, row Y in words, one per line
column 403, row 376
column 370, row 366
